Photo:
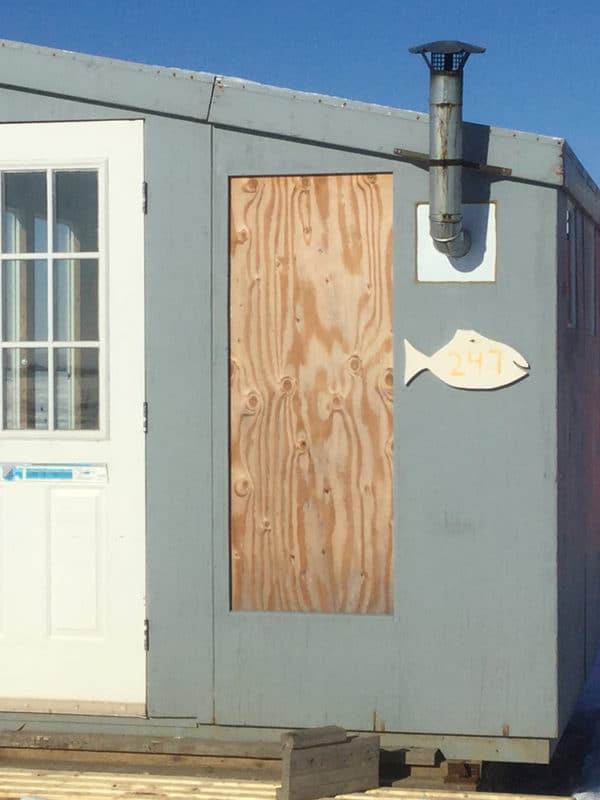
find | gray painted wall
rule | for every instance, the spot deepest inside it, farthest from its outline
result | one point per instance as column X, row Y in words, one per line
column 471, row 647
column 475, row 495
column 578, row 455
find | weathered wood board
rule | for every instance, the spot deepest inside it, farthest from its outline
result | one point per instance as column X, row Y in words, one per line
column 53, row 784
column 311, row 423
column 328, row 768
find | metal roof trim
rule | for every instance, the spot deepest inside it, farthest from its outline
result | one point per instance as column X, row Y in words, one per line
column 105, row 81
column 580, row 185
column 377, row 129
column 269, row 110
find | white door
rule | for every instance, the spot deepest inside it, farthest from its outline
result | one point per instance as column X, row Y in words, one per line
column 72, row 572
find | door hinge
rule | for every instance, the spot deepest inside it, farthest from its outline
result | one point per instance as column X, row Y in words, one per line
column 145, row 416
column 145, row 197
column 146, row 635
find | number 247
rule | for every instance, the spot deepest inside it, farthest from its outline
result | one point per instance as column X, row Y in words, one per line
column 474, row 358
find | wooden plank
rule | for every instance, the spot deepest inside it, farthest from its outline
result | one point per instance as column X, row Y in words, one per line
column 334, row 757
column 412, row 756
column 311, row 393
column 313, row 737
column 69, row 785
column 35, row 705
column 448, row 794
column 326, row 770
column 423, row 756
column 224, row 766
column 124, row 743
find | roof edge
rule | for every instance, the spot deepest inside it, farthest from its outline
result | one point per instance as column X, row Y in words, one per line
column 580, row 185
column 381, row 130
column 268, row 110
column 105, row 81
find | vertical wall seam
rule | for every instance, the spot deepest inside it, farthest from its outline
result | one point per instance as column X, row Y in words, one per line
column 208, row 113
column 558, row 260
column 212, row 427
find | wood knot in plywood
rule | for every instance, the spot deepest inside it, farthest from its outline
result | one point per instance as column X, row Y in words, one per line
column 305, row 183
column 387, row 384
column 371, row 178
column 242, row 486
column 354, row 364
column 251, row 185
column 337, row 402
column 287, row 385
column 301, row 445
column 389, row 449
column 241, row 236
column 253, row 403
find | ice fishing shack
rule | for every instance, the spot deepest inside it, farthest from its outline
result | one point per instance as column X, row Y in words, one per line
column 298, row 421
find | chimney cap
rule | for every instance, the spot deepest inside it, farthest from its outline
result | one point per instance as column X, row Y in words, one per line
column 446, row 57
column 446, row 47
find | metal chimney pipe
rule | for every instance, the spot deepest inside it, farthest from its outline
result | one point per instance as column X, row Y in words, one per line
column 445, row 144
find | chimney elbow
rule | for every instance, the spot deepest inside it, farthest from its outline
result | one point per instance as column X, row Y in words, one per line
column 456, row 247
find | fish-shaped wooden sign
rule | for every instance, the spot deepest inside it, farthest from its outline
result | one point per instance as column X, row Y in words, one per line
column 468, row 361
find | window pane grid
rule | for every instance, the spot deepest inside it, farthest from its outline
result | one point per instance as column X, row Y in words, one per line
column 50, row 230
column 47, row 256
column 49, row 301
column 49, row 345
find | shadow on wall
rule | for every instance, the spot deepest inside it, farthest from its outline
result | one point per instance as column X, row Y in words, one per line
column 575, row 766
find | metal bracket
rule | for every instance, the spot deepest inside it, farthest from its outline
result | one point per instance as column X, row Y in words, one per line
column 411, row 155
column 146, row 635
column 145, row 416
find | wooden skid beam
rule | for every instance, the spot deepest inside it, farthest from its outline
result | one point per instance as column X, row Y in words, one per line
column 124, row 743
column 328, row 768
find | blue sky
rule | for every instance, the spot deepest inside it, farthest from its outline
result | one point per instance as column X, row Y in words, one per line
column 540, row 72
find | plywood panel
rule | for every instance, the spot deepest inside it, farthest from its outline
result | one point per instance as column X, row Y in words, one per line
column 311, row 393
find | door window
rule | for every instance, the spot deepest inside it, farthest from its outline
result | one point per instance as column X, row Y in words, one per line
column 50, row 300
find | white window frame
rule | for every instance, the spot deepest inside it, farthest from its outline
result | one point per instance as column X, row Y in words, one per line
column 101, row 167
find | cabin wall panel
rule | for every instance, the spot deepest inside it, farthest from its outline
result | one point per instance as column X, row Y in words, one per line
column 474, row 494
column 578, row 426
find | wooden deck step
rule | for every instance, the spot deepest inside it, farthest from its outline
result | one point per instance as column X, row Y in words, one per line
column 68, row 785
column 50, row 784
column 393, row 793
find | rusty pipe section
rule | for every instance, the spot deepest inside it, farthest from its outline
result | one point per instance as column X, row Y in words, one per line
column 445, row 164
